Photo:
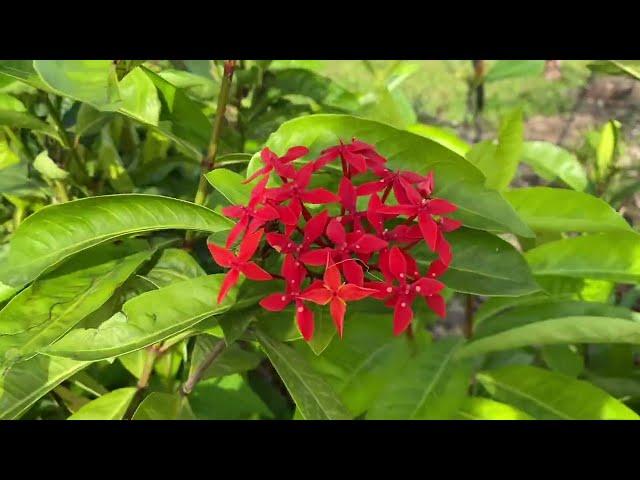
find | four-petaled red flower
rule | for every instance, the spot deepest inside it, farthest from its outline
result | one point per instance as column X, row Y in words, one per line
column 279, row 164
column 333, row 291
column 239, row 264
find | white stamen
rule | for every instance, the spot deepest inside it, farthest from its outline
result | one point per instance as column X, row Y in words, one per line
column 418, row 288
column 402, row 275
column 300, row 309
column 403, row 304
column 389, row 289
column 357, row 246
column 283, row 298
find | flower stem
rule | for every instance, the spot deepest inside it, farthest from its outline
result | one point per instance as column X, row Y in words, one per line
column 196, row 376
column 209, row 160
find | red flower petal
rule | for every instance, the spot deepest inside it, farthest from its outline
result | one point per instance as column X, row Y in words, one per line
column 397, row 263
column 437, row 206
column 230, row 279
column 399, row 210
column 336, row 232
column 428, row 286
column 275, row 302
column 319, row 196
column 315, row 258
column 347, row 194
column 319, row 295
column 371, row 187
column 402, row 315
column 278, row 241
column 267, row 213
column 287, row 215
column 351, row 292
column 233, row 211
column 357, row 161
column 257, row 173
column 369, row 243
column 437, row 268
column 429, row 229
column 338, row 309
column 294, row 153
column 332, row 278
column 254, row 272
column 352, row 272
column 304, row 319
column 437, row 304
column 249, row 245
column 449, row 225
column 315, row 227
column 237, row 229
column 221, row 256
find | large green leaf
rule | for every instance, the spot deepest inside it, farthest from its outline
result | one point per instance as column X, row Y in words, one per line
column 299, row 81
column 25, row 383
column 164, row 406
column 484, row 264
column 140, row 97
column 551, row 161
column 432, row 385
column 49, row 308
column 360, row 365
column 548, row 395
column 479, row 408
column 54, row 233
column 233, row 359
column 230, row 185
column 443, row 137
column 611, row 256
column 90, row 81
column 557, row 331
column 227, row 398
column 15, row 119
column 174, row 265
column 499, row 160
column 561, row 210
column 314, row 397
column 146, row 319
column 456, row 179
column 111, row 406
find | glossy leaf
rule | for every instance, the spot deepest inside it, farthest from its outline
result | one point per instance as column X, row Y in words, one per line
column 558, row 331
column 174, row 265
column 608, row 256
column 140, row 97
column 164, row 406
column 54, row 233
column 232, row 360
column 442, row 136
column 230, row 185
column 111, row 406
column 146, row 319
column 565, row 359
column 561, row 210
column 432, row 386
column 551, row 161
column 53, row 305
column 14, row 119
column 479, row 408
column 553, row 396
column 25, row 383
column 313, row 396
column 48, row 168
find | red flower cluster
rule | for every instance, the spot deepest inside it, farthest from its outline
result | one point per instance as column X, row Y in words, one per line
column 379, row 237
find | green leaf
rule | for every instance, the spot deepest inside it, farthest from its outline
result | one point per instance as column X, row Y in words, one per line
column 558, row 331
column 164, row 406
column 140, row 97
column 111, row 164
column 565, row 359
column 9, row 102
column 324, row 330
column 360, row 365
column 181, row 119
column 233, row 359
column 48, row 168
column 550, row 396
column 611, row 256
column 456, row 179
column 111, row 406
column 499, row 161
column 509, row 69
column 432, row 386
column 230, row 185
column 7, row 156
column 46, row 310
column 630, row 68
column 310, row 84
column 443, row 137
column 174, row 265
column 25, row 120
column 25, row 383
column 483, row 264
column 90, row 121
column 551, row 161
column 146, row 319
column 607, row 147
column 479, row 408
column 313, row 396
column 561, row 210
column 388, row 106
column 227, row 398
column 90, row 81
column 56, row 232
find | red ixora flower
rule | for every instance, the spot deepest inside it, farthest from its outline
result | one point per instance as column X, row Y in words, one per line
column 334, row 242
column 239, row 264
